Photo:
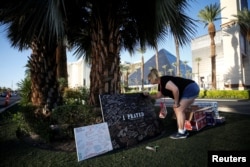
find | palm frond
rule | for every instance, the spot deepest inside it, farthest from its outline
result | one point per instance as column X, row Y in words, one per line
column 243, row 18
column 210, row 13
column 176, row 21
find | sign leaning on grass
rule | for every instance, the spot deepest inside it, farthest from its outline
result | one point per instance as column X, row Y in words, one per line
column 131, row 118
column 92, row 140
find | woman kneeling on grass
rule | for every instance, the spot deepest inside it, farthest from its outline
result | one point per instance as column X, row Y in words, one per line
column 183, row 91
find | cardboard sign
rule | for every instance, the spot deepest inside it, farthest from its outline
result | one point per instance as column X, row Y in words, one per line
column 131, row 118
column 92, row 140
column 214, row 106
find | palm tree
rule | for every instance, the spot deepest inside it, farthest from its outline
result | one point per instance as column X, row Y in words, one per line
column 177, row 56
column 198, row 59
column 116, row 24
column 165, row 69
column 156, row 57
column 28, row 27
column 115, row 28
column 170, row 70
column 61, row 63
column 142, row 51
column 124, row 74
column 189, row 74
column 208, row 15
column 185, row 64
column 175, row 67
column 177, row 41
column 99, row 29
column 243, row 18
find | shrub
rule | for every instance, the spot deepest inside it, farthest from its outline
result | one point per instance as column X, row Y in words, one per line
column 30, row 122
column 226, row 94
column 76, row 96
column 25, row 90
column 59, row 125
column 65, row 118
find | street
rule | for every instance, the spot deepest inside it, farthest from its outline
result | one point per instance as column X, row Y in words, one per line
column 242, row 107
column 13, row 100
column 224, row 105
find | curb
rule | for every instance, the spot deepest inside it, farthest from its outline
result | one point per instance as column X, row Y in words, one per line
column 5, row 108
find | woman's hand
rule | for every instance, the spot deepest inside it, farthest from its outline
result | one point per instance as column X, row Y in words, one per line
column 145, row 93
column 176, row 105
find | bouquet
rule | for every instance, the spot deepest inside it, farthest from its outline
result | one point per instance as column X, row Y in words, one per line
column 163, row 111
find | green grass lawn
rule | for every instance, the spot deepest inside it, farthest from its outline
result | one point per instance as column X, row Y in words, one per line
column 233, row 135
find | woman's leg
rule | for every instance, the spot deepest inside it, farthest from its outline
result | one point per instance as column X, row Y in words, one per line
column 180, row 112
column 187, row 98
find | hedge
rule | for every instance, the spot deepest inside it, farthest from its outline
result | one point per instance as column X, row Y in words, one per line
column 225, row 94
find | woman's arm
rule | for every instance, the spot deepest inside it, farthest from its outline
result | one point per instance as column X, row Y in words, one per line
column 155, row 96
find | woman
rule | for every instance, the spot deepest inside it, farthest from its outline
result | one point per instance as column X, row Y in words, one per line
column 182, row 91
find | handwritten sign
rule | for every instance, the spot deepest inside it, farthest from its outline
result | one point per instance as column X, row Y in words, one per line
column 92, row 140
column 131, row 118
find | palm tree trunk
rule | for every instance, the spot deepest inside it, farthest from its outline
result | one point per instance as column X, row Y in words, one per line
column 156, row 58
column 213, row 63
column 142, row 72
column 198, row 59
column 177, row 56
column 44, row 85
column 61, row 61
column 211, row 30
column 105, row 60
column 198, row 74
column 61, row 70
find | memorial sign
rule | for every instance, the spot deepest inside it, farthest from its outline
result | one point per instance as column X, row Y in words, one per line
column 131, row 118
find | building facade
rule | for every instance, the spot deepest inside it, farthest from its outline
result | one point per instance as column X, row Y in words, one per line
column 78, row 74
column 232, row 52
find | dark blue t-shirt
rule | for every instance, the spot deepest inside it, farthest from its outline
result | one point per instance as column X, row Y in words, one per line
column 181, row 83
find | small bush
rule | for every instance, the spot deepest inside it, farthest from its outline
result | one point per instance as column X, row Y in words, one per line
column 58, row 125
column 65, row 118
column 25, row 91
column 73, row 115
column 76, row 96
column 30, row 122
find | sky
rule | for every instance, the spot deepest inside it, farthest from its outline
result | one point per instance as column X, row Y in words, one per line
column 12, row 68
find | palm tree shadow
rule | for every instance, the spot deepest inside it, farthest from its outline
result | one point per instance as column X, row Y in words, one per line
column 229, row 78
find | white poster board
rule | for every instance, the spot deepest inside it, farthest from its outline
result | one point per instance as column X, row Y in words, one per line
column 92, row 140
